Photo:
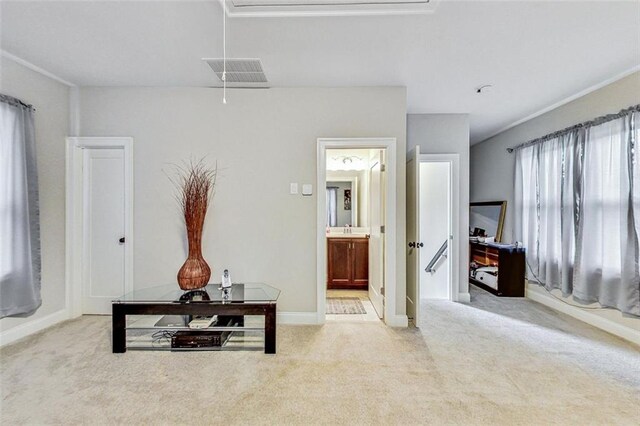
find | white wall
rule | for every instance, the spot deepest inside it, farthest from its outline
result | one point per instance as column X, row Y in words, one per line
column 493, row 169
column 447, row 134
column 262, row 140
column 51, row 100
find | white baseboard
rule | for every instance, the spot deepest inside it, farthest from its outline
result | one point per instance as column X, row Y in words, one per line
column 398, row 321
column 590, row 318
column 464, row 297
column 28, row 328
column 297, row 318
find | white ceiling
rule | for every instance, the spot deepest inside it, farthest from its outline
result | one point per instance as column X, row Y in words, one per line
column 534, row 53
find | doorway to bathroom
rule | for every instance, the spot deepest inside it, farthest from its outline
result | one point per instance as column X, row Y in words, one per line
column 353, row 238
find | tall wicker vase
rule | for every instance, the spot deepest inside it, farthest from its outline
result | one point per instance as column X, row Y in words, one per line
column 195, row 271
column 195, row 185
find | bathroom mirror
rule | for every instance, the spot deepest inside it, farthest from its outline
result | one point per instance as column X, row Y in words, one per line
column 342, row 202
column 486, row 219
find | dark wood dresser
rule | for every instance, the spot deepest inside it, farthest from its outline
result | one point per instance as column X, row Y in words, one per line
column 497, row 269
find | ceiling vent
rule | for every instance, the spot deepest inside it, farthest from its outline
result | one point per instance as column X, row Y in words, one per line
column 245, row 73
column 288, row 8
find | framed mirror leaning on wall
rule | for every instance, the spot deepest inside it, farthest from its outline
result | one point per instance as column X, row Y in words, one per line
column 486, row 219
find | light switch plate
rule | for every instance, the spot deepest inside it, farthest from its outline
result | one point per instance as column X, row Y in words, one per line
column 307, row 189
column 293, row 188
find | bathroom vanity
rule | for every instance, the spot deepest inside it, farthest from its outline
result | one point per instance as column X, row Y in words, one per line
column 348, row 261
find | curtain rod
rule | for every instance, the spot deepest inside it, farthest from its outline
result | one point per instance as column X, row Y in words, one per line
column 15, row 101
column 594, row 122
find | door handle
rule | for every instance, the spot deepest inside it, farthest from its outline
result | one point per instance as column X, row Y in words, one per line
column 121, row 240
column 412, row 244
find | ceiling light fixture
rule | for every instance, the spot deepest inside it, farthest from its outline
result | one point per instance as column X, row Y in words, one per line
column 346, row 162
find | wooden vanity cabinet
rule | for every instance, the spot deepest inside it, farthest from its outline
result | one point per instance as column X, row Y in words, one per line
column 348, row 263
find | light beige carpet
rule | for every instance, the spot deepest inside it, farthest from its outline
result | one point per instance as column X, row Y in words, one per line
column 491, row 363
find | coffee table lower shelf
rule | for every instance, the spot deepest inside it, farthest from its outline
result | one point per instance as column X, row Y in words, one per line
column 158, row 339
column 155, row 338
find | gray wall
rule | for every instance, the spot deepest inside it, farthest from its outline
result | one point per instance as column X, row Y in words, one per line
column 262, row 141
column 447, row 134
column 493, row 169
column 51, row 100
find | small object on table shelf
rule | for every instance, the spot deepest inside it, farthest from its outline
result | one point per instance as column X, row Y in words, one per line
column 195, row 296
column 226, row 279
column 200, row 339
column 200, row 321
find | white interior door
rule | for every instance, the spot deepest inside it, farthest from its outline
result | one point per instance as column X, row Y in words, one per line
column 413, row 236
column 104, row 239
column 376, row 242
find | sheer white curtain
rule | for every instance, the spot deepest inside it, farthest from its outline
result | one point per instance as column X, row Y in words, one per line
column 607, row 255
column 545, row 205
column 578, row 212
column 332, row 206
column 19, row 215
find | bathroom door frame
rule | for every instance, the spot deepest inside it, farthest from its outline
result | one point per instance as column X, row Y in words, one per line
column 390, row 256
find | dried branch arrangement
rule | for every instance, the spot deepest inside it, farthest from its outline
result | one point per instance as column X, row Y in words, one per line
column 195, row 183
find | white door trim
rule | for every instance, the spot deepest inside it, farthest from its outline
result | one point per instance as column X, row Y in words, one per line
column 390, row 315
column 454, row 244
column 74, row 214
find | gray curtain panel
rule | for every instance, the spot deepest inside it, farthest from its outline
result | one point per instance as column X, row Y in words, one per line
column 19, row 214
column 578, row 211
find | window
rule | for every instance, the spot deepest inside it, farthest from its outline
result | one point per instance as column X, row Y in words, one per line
column 577, row 211
column 19, row 216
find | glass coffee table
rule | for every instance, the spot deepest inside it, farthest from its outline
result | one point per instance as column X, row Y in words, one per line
column 159, row 318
